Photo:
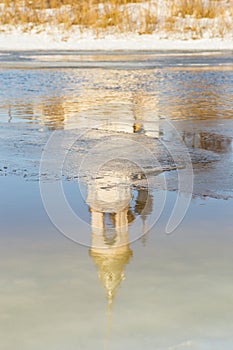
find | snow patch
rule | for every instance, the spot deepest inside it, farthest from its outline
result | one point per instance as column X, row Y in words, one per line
column 55, row 39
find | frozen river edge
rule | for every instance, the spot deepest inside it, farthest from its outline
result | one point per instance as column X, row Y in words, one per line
column 17, row 40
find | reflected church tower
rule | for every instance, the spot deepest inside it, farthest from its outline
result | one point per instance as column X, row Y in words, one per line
column 111, row 260
column 109, row 196
column 110, row 248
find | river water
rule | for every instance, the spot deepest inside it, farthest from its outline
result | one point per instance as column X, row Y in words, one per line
column 121, row 138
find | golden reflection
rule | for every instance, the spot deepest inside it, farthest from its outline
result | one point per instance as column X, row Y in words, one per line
column 116, row 111
column 128, row 112
column 111, row 260
column 101, row 98
column 51, row 113
column 110, row 250
column 108, row 110
column 109, row 199
column 196, row 94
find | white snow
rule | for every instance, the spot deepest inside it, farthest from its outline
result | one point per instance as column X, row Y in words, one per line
column 15, row 39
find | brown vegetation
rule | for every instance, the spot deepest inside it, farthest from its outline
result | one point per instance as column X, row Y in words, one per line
column 94, row 14
column 119, row 15
column 196, row 8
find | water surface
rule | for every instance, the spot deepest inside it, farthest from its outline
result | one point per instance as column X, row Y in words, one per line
column 126, row 284
column 191, row 90
column 174, row 291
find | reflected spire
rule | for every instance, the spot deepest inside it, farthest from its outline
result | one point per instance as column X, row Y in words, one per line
column 110, row 251
column 109, row 197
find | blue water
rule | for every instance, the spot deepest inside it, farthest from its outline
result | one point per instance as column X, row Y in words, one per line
column 160, row 291
column 177, row 290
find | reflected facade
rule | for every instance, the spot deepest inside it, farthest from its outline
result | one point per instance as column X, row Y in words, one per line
column 109, row 199
column 72, row 98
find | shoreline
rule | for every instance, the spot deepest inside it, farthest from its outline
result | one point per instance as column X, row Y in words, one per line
column 43, row 41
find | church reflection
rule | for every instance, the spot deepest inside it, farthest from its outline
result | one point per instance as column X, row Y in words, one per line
column 116, row 111
column 113, row 209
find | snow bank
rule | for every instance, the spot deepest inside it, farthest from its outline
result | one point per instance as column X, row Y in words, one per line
column 44, row 40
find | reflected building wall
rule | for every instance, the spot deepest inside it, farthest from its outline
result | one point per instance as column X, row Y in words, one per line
column 135, row 97
column 128, row 112
column 110, row 252
column 110, row 246
column 116, row 111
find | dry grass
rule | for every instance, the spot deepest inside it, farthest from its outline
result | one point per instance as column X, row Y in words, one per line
column 179, row 16
column 194, row 19
column 94, row 14
column 195, row 8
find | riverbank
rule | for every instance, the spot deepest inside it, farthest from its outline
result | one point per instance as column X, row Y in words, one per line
column 17, row 40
